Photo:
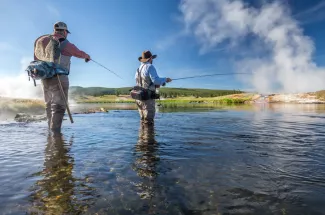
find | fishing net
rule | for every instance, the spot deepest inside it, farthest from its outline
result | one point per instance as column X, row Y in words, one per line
column 47, row 51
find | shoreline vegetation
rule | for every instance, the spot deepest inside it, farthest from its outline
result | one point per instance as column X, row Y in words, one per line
column 192, row 96
column 169, row 102
column 171, row 98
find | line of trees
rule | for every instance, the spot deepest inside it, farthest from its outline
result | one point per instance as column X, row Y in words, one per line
column 173, row 93
column 164, row 92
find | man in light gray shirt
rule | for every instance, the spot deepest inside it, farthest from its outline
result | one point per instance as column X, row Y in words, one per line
column 147, row 77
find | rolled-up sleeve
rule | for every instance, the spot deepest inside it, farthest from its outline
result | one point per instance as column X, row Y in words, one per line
column 154, row 76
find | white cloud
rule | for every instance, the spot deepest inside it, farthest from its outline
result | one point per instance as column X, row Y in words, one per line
column 286, row 63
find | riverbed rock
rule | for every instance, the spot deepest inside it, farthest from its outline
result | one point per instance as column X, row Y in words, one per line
column 89, row 111
column 103, row 110
column 24, row 117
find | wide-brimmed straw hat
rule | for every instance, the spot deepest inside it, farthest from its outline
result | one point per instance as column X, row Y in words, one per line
column 146, row 56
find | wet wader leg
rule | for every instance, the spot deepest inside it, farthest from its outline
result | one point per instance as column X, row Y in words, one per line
column 140, row 109
column 149, row 111
column 58, row 106
column 47, row 99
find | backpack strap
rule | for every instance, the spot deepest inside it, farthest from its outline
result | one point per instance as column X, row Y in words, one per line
column 63, row 43
column 139, row 75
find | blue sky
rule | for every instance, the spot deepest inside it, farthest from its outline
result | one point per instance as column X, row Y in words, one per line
column 115, row 32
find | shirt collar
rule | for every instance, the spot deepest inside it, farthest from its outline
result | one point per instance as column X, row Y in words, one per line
column 145, row 63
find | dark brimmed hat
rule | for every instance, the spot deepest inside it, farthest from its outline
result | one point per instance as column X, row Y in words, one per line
column 146, row 56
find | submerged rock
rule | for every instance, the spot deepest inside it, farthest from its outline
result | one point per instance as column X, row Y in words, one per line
column 24, row 117
column 103, row 110
column 89, row 111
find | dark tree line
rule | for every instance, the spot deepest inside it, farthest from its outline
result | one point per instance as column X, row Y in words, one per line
column 164, row 92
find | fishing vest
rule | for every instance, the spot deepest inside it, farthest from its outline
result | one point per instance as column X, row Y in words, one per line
column 144, row 82
column 52, row 51
column 145, row 89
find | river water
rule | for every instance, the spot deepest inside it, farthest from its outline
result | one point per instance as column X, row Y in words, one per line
column 262, row 159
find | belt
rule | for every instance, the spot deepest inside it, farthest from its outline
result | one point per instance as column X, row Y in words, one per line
column 57, row 75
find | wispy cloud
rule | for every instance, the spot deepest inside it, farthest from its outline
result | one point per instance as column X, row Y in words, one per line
column 53, row 11
column 311, row 15
column 170, row 40
column 5, row 46
column 286, row 63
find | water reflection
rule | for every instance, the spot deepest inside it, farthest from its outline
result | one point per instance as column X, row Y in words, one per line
column 146, row 154
column 146, row 163
column 59, row 192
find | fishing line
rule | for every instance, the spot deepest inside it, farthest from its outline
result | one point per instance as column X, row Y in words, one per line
column 215, row 74
column 106, row 68
column 101, row 66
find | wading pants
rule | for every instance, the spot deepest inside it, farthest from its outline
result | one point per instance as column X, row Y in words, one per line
column 147, row 110
column 54, row 101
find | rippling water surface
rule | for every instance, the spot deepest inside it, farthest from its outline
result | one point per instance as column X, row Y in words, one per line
column 258, row 160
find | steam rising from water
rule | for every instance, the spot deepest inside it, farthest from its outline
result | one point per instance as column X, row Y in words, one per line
column 19, row 86
column 280, row 54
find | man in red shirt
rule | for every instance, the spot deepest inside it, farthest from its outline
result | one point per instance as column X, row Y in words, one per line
column 44, row 50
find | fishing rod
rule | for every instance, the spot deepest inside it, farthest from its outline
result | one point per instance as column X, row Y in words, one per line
column 106, row 68
column 64, row 96
column 215, row 74
column 65, row 99
column 101, row 66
